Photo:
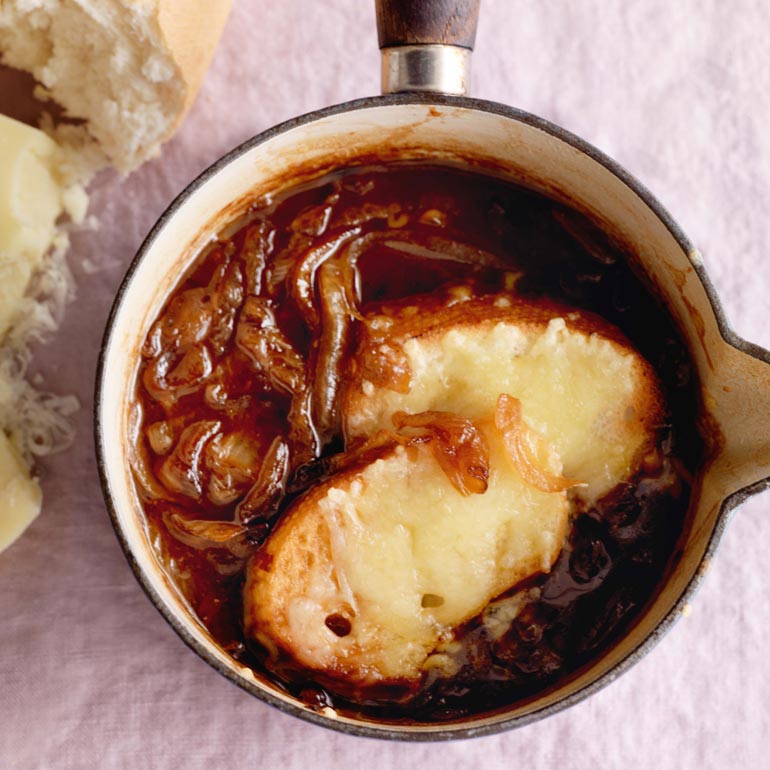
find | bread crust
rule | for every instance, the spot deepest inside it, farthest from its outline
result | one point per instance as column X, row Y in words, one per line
column 303, row 574
column 130, row 69
column 381, row 380
column 191, row 30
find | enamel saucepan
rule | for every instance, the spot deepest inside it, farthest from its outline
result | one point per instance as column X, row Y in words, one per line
column 425, row 115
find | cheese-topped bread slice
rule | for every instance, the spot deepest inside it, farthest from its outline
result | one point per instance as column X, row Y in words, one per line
column 368, row 572
column 580, row 382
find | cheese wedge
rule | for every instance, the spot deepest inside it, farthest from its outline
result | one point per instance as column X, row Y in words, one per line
column 580, row 382
column 20, row 496
column 31, row 200
column 370, row 571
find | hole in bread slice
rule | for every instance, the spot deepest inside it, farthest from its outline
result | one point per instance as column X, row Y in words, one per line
column 405, row 552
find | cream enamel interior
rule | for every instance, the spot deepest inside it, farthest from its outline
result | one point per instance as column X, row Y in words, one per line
column 734, row 384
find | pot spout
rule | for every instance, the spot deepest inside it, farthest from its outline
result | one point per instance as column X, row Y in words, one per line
column 738, row 400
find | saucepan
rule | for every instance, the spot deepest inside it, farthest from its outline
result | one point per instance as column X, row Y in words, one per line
column 425, row 115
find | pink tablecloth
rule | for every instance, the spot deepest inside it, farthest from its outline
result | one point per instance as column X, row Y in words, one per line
column 679, row 93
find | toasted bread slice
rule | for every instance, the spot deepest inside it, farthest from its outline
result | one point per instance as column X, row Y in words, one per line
column 369, row 572
column 581, row 383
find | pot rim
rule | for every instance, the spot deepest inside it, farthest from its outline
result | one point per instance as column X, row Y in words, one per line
column 451, row 730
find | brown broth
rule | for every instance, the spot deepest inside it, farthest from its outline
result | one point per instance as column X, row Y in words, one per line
column 618, row 550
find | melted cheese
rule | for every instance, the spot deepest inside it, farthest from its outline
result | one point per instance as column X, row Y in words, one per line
column 400, row 554
column 594, row 398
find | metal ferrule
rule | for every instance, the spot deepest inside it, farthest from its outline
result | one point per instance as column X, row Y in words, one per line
column 442, row 69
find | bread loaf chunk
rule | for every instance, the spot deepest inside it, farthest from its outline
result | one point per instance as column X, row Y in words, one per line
column 129, row 68
column 368, row 573
column 580, row 382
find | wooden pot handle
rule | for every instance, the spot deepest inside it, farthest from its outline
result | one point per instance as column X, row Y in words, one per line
column 427, row 22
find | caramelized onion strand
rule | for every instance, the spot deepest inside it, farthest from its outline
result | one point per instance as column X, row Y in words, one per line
column 458, row 446
column 258, row 244
column 260, row 338
column 139, row 456
column 522, row 444
column 202, row 534
column 337, row 311
column 262, row 500
column 213, row 531
column 180, row 472
column 226, row 293
column 436, row 247
column 301, row 280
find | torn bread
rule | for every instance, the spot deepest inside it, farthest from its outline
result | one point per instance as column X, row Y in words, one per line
column 368, row 573
column 129, row 69
column 580, row 382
